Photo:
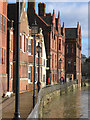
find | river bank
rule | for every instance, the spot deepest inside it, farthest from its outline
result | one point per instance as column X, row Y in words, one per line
column 69, row 105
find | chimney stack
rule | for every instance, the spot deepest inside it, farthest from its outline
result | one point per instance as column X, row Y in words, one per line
column 41, row 9
column 31, row 7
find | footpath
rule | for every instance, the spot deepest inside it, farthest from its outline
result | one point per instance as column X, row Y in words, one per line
column 25, row 103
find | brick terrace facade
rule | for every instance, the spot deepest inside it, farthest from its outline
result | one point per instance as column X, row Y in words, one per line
column 60, row 42
column 73, row 53
column 26, row 51
column 3, row 46
column 53, row 38
column 10, row 36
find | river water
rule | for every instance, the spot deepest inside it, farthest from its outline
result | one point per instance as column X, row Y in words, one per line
column 71, row 105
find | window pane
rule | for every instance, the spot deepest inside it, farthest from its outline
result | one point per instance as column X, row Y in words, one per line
column 29, row 74
column 23, row 43
column 29, row 41
column 29, row 69
column 36, row 74
column 59, row 44
column 3, row 56
column 30, row 46
column 11, row 41
column 0, row 22
column 43, row 78
column 4, row 24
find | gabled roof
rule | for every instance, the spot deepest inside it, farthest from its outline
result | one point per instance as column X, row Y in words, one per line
column 40, row 18
column 11, row 14
column 47, row 19
column 12, row 11
column 70, row 32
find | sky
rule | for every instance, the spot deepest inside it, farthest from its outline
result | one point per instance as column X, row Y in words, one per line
column 71, row 13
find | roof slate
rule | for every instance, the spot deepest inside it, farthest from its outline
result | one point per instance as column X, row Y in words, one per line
column 47, row 19
column 12, row 12
column 12, row 9
column 70, row 32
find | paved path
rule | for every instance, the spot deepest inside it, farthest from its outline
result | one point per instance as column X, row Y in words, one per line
column 26, row 105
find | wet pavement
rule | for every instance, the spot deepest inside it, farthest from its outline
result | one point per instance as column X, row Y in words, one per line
column 70, row 105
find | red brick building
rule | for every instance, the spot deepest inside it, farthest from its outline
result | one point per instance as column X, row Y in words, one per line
column 3, row 46
column 26, row 51
column 54, row 38
column 60, row 43
column 73, row 53
column 10, row 36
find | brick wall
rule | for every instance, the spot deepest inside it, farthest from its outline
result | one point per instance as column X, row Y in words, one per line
column 3, row 46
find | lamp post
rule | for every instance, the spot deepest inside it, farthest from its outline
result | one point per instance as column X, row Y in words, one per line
column 60, row 66
column 34, row 31
column 38, row 50
column 17, row 113
column 49, row 56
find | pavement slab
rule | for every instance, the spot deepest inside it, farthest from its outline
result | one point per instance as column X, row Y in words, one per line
column 26, row 105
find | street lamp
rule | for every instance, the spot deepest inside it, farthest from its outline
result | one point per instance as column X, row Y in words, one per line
column 34, row 31
column 17, row 113
column 60, row 66
column 49, row 56
column 74, row 63
column 38, row 50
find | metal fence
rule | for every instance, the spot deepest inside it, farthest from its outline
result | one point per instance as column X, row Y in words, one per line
column 44, row 91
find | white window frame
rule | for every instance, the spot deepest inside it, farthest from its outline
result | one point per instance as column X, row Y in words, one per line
column 30, row 44
column 40, row 75
column 10, row 69
column 3, row 56
column 36, row 52
column 1, row 22
column 36, row 74
column 23, row 43
column 43, row 62
column 43, row 77
column 4, row 23
column 11, row 41
column 29, row 71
